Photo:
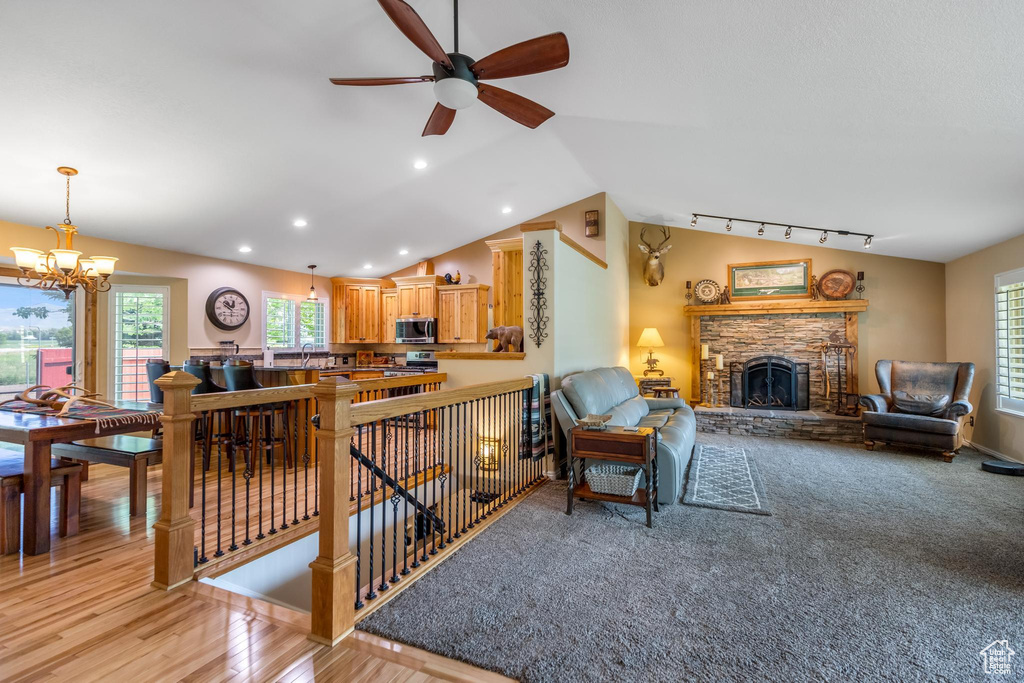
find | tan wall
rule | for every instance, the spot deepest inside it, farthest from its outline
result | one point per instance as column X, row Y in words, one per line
column 970, row 336
column 473, row 260
column 905, row 319
column 203, row 275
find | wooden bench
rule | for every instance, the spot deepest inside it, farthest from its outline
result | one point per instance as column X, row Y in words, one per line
column 134, row 452
column 66, row 475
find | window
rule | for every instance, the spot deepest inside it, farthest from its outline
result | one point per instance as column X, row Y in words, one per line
column 138, row 332
column 37, row 338
column 289, row 322
column 1010, row 341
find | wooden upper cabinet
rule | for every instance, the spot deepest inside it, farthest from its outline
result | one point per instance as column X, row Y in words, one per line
column 507, row 269
column 462, row 317
column 388, row 315
column 417, row 296
column 357, row 309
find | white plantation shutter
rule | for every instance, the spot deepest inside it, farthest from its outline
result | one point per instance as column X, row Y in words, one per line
column 138, row 332
column 1010, row 341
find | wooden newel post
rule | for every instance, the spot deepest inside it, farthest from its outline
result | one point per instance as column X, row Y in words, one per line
column 334, row 569
column 175, row 530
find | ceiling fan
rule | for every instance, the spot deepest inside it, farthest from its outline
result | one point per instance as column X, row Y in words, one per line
column 457, row 77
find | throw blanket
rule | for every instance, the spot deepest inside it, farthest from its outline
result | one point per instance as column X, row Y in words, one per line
column 541, row 442
column 104, row 417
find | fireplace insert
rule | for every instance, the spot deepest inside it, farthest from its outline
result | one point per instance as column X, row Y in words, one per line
column 769, row 383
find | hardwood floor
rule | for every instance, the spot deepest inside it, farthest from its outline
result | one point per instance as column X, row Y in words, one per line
column 86, row 612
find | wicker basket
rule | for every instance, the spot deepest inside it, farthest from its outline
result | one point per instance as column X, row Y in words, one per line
column 614, row 480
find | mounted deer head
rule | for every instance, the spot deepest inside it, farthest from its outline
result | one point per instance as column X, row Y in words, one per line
column 654, row 272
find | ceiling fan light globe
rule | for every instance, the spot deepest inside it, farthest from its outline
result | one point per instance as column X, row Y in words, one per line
column 455, row 93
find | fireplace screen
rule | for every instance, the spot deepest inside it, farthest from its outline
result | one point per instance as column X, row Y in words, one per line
column 769, row 383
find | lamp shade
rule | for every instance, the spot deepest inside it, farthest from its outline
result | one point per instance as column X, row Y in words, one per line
column 650, row 338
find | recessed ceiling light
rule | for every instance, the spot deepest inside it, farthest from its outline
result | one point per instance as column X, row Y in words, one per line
column 506, row 209
column 419, row 164
column 403, row 252
column 367, row 266
column 244, row 249
column 300, row 223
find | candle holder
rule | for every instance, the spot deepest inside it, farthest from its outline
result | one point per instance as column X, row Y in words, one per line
column 860, row 284
column 689, row 292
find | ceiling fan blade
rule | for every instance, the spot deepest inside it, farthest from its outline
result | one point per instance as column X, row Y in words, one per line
column 516, row 107
column 409, row 23
column 529, row 57
column 440, row 120
column 381, row 81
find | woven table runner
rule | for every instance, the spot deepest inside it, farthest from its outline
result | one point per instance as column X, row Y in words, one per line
column 103, row 416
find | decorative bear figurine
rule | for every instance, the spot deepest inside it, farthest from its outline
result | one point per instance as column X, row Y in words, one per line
column 510, row 337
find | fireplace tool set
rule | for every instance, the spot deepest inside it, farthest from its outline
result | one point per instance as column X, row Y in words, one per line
column 843, row 350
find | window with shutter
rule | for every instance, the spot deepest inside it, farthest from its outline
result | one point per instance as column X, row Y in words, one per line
column 1010, row 341
column 138, row 332
column 290, row 321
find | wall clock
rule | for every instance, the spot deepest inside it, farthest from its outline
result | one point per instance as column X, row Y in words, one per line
column 836, row 284
column 227, row 308
column 707, row 292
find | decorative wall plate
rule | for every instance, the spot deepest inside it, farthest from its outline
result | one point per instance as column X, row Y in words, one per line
column 837, row 284
column 707, row 291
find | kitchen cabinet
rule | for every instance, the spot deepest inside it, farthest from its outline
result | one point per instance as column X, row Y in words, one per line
column 357, row 310
column 388, row 315
column 462, row 314
column 417, row 295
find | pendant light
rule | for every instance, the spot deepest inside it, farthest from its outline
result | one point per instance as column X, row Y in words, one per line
column 312, row 288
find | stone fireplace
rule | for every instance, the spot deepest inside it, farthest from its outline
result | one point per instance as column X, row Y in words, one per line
column 770, row 383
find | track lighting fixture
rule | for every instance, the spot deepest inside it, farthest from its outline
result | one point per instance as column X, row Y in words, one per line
column 823, row 233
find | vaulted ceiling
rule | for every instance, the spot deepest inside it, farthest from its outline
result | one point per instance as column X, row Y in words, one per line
column 204, row 125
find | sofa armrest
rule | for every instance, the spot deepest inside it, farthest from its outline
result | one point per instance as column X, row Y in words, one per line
column 563, row 412
column 958, row 409
column 876, row 403
column 666, row 403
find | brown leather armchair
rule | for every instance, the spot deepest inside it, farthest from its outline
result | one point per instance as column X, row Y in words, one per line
column 920, row 404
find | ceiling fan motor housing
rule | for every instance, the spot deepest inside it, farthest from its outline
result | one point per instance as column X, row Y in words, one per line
column 455, row 89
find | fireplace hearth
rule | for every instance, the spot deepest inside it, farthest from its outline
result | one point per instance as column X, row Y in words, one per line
column 769, row 383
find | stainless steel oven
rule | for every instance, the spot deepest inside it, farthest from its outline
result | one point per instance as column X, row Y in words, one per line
column 416, row 330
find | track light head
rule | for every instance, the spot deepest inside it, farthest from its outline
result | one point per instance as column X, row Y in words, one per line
column 867, row 242
column 728, row 226
column 760, row 230
column 789, row 232
column 693, row 221
column 824, row 237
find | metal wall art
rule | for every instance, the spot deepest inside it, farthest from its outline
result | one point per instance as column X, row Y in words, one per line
column 538, row 300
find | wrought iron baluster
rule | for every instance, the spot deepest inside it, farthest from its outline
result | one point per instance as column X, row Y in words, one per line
column 410, row 426
column 359, row 530
column 389, row 436
column 426, row 522
column 395, row 498
column 284, row 457
column 294, row 443
column 207, row 442
column 460, row 516
column 373, row 487
column 247, row 475
column 316, row 465
column 442, row 477
column 267, row 419
column 220, row 496
column 254, row 457
column 305, row 459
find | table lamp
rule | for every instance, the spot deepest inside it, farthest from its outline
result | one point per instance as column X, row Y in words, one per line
column 651, row 339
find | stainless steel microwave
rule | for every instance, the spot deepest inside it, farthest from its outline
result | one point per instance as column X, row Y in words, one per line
column 416, row 330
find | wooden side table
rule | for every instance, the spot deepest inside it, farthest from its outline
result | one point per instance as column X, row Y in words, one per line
column 615, row 444
column 647, row 384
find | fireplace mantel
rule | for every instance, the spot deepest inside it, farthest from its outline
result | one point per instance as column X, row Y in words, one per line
column 849, row 308
column 780, row 308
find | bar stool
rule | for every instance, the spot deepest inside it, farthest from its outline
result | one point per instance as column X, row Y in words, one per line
column 206, row 432
column 240, row 375
column 155, row 369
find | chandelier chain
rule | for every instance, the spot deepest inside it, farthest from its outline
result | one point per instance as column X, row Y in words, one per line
column 67, row 202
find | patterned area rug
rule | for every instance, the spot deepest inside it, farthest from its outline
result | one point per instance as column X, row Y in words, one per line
column 725, row 478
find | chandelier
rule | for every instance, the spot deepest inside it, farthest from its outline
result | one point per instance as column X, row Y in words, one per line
column 62, row 268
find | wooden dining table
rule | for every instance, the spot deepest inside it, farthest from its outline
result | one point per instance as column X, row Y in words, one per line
column 37, row 433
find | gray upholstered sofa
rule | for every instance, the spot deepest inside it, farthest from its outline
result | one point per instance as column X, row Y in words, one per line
column 612, row 391
column 920, row 404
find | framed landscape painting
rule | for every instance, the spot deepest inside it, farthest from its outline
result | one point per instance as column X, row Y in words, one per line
column 771, row 280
